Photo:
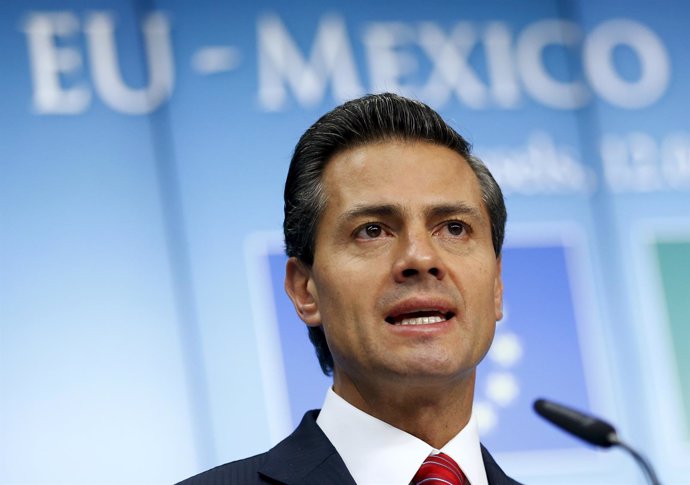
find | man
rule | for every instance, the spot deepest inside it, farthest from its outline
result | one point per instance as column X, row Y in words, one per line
column 394, row 233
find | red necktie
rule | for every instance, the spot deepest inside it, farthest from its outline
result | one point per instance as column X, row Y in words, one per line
column 440, row 469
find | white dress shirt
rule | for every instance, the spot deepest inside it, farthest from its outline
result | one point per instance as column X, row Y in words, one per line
column 377, row 453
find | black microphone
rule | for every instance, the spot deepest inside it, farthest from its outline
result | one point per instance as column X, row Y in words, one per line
column 590, row 429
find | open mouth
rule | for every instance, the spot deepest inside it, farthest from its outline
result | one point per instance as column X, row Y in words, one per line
column 419, row 318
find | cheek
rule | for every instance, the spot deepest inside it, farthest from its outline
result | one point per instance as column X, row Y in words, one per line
column 488, row 338
column 485, row 298
column 332, row 298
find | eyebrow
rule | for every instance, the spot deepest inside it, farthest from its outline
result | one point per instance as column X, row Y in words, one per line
column 396, row 210
column 461, row 208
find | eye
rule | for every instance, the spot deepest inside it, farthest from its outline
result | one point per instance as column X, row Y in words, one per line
column 456, row 228
column 369, row 231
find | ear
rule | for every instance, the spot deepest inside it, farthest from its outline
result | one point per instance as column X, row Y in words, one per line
column 498, row 291
column 299, row 285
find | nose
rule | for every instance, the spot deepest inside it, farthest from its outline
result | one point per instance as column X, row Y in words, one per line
column 417, row 257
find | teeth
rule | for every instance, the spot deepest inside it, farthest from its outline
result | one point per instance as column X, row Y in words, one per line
column 422, row 320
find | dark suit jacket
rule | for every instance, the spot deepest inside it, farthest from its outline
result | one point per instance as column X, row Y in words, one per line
column 306, row 457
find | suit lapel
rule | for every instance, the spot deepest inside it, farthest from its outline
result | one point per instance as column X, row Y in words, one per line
column 306, row 457
column 494, row 474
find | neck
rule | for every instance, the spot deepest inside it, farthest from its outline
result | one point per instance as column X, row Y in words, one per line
column 434, row 412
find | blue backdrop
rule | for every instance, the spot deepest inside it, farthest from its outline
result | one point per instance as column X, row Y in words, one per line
column 144, row 334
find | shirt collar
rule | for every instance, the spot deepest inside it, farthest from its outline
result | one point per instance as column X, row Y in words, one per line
column 377, row 453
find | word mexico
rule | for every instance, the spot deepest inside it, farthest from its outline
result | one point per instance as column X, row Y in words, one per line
column 481, row 65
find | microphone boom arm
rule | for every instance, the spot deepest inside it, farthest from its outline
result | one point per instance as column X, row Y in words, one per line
column 593, row 430
column 641, row 460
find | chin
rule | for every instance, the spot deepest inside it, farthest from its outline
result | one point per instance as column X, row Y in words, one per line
column 430, row 371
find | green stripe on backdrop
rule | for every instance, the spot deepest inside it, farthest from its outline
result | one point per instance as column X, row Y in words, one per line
column 674, row 265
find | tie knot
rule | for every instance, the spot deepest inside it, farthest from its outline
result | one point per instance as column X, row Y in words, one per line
column 439, row 469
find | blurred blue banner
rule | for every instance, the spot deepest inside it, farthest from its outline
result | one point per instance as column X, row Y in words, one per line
column 143, row 150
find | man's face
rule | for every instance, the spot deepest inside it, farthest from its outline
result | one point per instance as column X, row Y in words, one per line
column 405, row 280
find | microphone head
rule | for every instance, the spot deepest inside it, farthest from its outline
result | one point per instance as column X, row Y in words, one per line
column 592, row 430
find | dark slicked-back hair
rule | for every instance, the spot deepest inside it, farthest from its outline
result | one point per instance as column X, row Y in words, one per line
column 370, row 119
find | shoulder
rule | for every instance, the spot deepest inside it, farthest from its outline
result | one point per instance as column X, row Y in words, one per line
column 305, row 453
column 245, row 472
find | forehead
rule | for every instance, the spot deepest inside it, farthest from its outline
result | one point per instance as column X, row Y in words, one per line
column 405, row 173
